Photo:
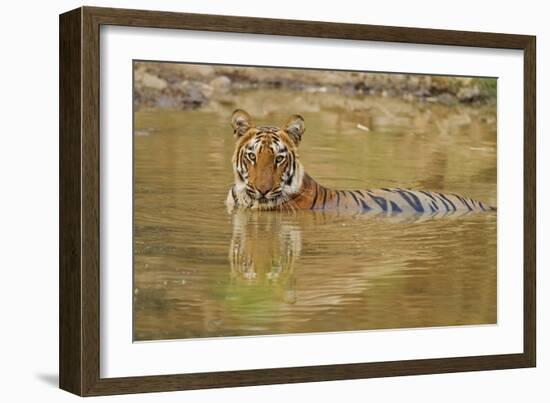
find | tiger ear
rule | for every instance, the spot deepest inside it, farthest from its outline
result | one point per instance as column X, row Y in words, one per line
column 241, row 122
column 295, row 127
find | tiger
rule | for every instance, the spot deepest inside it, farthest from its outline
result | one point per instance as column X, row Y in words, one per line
column 268, row 175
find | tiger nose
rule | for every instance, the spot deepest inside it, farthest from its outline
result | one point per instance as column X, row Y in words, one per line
column 264, row 190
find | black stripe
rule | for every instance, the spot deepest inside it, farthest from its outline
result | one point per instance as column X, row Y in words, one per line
column 463, row 200
column 292, row 170
column 447, row 200
column 314, row 198
column 365, row 206
column 241, row 176
column 383, row 203
column 324, row 198
column 354, row 197
column 288, row 181
column 444, row 204
column 481, row 206
column 337, row 198
column 234, row 195
column 415, row 203
column 395, row 208
column 238, row 160
column 428, row 194
column 434, row 207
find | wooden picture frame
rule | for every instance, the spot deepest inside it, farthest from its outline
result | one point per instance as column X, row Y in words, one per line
column 79, row 346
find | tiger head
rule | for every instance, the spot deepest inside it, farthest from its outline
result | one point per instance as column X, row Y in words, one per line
column 265, row 162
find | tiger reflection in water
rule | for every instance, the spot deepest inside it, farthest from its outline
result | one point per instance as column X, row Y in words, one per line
column 264, row 249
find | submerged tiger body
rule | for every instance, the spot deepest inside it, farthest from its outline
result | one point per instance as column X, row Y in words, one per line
column 269, row 176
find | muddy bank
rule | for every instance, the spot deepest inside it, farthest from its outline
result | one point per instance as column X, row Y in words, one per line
column 186, row 86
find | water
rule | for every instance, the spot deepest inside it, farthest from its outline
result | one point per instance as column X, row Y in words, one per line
column 201, row 271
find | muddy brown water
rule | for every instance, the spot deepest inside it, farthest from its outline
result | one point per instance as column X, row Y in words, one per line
column 201, row 271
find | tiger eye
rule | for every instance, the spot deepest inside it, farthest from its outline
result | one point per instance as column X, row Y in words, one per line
column 252, row 156
column 279, row 159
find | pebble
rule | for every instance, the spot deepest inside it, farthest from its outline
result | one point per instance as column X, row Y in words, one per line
column 362, row 127
column 154, row 82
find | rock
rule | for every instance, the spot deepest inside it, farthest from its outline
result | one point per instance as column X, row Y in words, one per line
column 192, row 88
column 180, row 85
column 468, row 94
column 413, row 82
column 195, row 93
column 446, row 99
column 221, row 84
column 422, row 93
column 165, row 101
column 464, row 80
column 349, row 89
column 151, row 81
column 202, row 72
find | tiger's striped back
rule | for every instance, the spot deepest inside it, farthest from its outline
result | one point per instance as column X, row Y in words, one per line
column 396, row 200
column 314, row 196
column 269, row 176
